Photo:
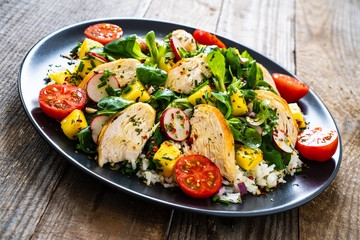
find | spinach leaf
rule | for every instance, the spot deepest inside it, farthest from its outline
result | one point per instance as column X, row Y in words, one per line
column 223, row 103
column 233, row 60
column 271, row 121
column 216, row 62
column 114, row 103
column 251, row 77
column 151, row 76
column 248, row 94
column 86, row 143
column 241, row 132
column 273, row 154
column 153, row 144
column 126, row 47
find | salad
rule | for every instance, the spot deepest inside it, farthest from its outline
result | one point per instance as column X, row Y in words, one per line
column 184, row 111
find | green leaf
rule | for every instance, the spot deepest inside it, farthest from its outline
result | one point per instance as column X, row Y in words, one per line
column 114, row 103
column 252, row 138
column 251, row 77
column 223, row 103
column 260, row 108
column 126, row 47
column 86, row 143
column 273, row 154
column 216, row 62
column 151, row 76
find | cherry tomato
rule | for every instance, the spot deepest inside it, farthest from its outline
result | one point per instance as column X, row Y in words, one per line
column 104, row 32
column 198, row 176
column 291, row 89
column 59, row 100
column 318, row 144
column 206, row 38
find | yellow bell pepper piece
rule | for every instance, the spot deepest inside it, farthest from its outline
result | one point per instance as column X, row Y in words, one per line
column 166, row 65
column 73, row 124
column 87, row 45
column 238, row 103
column 247, row 158
column 203, row 96
column 296, row 112
column 87, row 64
column 135, row 91
column 60, row 77
column 167, row 156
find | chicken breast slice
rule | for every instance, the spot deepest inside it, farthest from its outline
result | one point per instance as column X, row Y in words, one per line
column 213, row 139
column 125, row 134
column 268, row 78
column 286, row 121
column 124, row 69
column 187, row 74
column 186, row 39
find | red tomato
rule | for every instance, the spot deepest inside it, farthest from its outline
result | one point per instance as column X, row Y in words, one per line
column 318, row 144
column 59, row 100
column 104, row 32
column 198, row 176
column 206, row 38
column 291, row 89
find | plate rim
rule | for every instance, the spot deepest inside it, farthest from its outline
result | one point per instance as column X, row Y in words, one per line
column 157, row 201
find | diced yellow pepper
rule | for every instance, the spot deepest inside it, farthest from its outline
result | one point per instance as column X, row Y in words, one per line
column 87, row 64
column 59, row 77
column 296, row 112
column 166, row 65
column 135, row 91
column 247, row 158
column 203, row 95
column 87, row 45
column 238, row 103
column 167, row 156
column 73, row 124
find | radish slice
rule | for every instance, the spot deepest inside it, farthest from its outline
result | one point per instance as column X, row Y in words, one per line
column 97, row 56
column 175, row 124
column 96, row 87
column 96, row 125
column 258, row 129
column 177, row 47
column 283, row 141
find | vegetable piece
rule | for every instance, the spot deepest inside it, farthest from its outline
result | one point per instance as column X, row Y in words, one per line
column 96, row 125
column 175, row 124
column 73, row 124
column 238, row 103
column 61, row 77
column 165, row 64
column 242, row 188
column 247, row 157
column 114, row 103
column 126, row 47
column 151, row 76
column 86, row 143
column 167, row 156
column 177, row 47
column 87, row 64
column 135, row 91
column 87, row 45
column 207, row 38
column 59, row 100
column 296, row 112
column 97, row 86
column 282, row 141
column 197, row 176
column 273, row 155
column 95, row 55
column 216, row 63
column 203, row 95
column 317, row 144
column 291, row 89
column 104, row 32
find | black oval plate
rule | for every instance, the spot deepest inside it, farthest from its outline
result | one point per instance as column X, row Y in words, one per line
column 297, row 191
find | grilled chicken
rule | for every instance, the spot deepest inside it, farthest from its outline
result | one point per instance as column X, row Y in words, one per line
column 286, row 121
column 187, row 74
column 125, row 134
column 268, row 78
column 186, row 39
column 124, row 69
column 212, row 138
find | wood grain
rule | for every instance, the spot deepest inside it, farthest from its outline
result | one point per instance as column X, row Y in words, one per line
column 259, row 25
column 327, row 57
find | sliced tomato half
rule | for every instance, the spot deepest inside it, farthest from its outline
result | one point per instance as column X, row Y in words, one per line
column 291, row 89
column 104, row 32
column 198, row 176
column 206, row 38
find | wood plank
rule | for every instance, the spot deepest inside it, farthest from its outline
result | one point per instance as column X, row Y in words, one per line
column 259, row 25
column 30, row 170
column 327, row 58
column 84, row 208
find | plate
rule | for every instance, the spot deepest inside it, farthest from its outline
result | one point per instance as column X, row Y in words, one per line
column 297, row 191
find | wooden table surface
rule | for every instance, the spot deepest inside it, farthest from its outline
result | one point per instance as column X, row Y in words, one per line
column 42, row 196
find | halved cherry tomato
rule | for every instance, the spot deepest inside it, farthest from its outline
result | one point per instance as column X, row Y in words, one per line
column 198, row 176
column 206, row 38
column 59, row 100
column 318, row 144
column 104, row 32
column 291, row 89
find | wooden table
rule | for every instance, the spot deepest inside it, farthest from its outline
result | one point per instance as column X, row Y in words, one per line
column 42, row 196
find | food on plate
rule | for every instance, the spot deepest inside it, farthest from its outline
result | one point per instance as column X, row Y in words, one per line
column 183, row 111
